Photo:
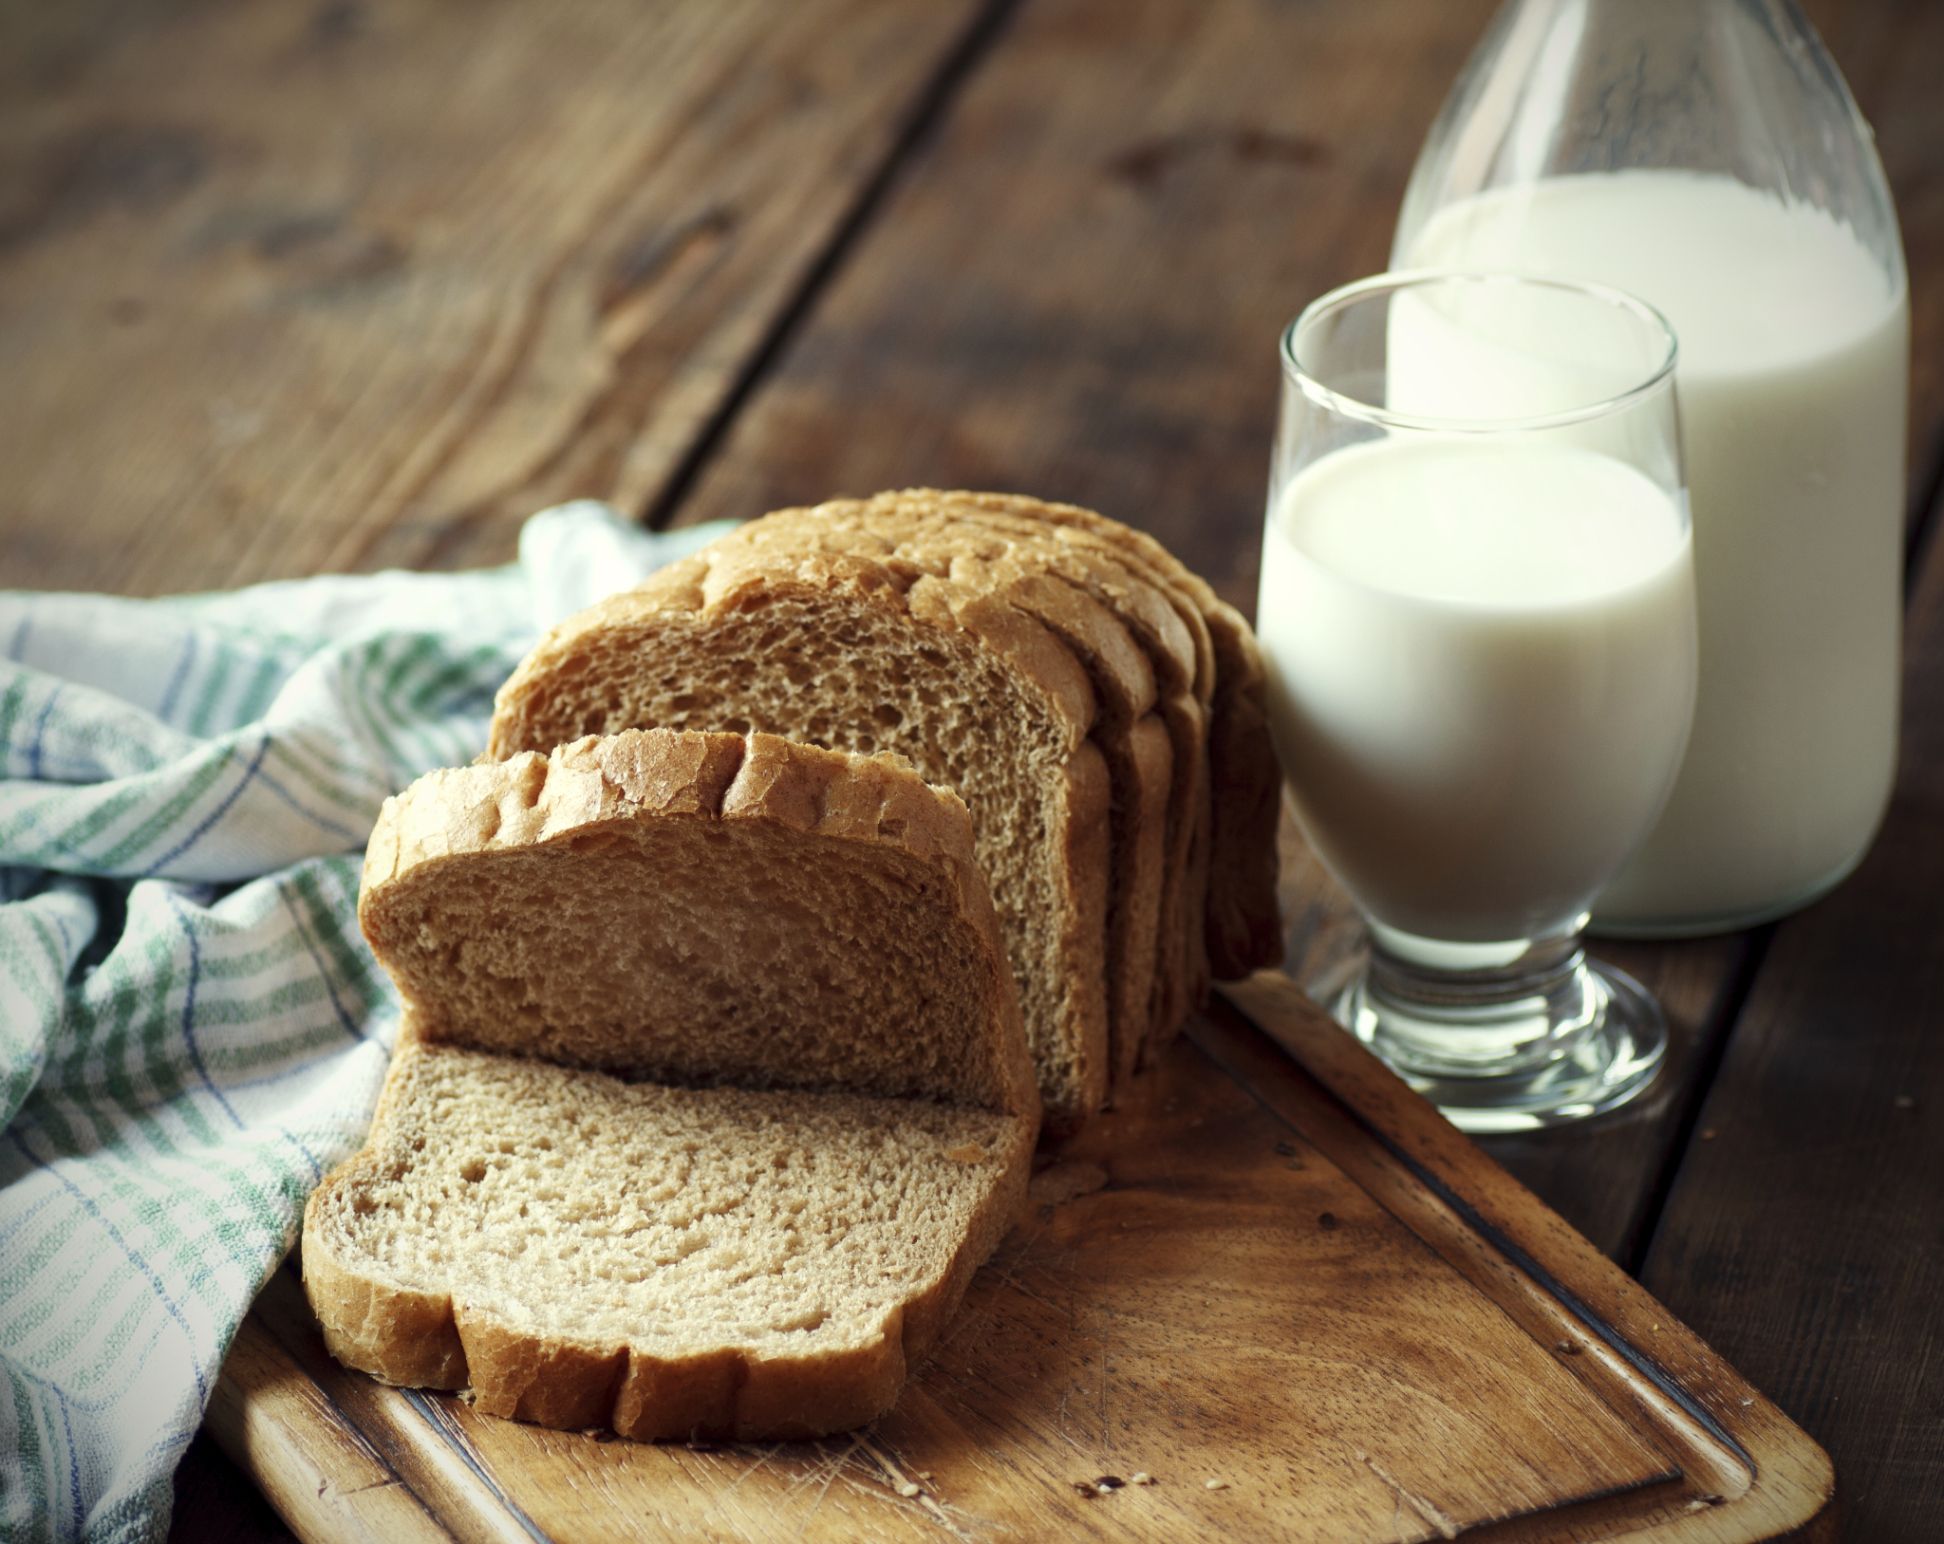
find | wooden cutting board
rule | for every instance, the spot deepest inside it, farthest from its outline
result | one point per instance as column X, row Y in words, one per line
column 1275, row 1284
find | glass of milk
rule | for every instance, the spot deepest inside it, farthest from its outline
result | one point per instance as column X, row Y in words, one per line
column 1477, row 609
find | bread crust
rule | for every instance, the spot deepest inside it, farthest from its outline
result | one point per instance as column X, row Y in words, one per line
column 430, row 1339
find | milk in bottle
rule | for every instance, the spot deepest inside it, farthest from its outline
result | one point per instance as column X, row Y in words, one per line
column 1792, row 382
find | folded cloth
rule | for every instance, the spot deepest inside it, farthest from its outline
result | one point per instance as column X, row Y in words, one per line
column 191, row 1028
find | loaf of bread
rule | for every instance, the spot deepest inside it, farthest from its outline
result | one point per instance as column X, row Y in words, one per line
column 858, row 652
column 1093, row 577
column 1243, row 929
column 712, row 1090
column 1100, row 710
column 1131, row 736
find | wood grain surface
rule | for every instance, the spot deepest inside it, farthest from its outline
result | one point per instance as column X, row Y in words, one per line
column 1802, row 1234
column 1177, row 207
column 291, row 288
column 1273, row 1285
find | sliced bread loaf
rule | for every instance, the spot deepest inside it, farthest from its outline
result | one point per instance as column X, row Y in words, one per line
column 1131, row 735
column 748, row 1261
column 861, row 653
column 1244, row 929
column 1162, row 619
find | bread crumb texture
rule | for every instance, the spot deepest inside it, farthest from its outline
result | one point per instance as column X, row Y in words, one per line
column 697, row 908
column 668, row 1261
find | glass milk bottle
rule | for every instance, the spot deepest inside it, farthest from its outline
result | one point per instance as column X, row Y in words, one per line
column 1706, row 156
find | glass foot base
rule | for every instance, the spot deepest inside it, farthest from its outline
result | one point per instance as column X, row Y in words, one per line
column 1598, row 1056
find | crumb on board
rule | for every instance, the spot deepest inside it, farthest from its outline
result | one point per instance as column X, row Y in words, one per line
column 1067, row 1181
column 908, row 1490
column 1215, row 1484
column 1109, row 1482
column 1086, row 1489
column 1141, row 1477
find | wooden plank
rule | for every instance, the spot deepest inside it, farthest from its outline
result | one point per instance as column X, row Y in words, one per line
column 1077, row 287
column 1077, row 290
column 290, row 288
column 1284, row 1274
column 1804, row 1235
column 270, row 1415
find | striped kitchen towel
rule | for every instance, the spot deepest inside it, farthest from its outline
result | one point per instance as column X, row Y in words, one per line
column 191, row 1028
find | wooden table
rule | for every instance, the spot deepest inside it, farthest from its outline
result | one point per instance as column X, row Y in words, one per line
column 293, row 288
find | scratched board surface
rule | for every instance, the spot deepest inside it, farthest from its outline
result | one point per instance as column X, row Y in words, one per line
column 1273, row 1295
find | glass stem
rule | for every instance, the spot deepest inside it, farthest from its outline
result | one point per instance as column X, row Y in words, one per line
column 1498, row 1008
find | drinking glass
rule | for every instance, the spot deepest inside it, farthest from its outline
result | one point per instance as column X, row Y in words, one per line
column 1477, row 613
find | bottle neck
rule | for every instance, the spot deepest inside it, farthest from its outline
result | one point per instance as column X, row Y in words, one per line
column 1735, row 88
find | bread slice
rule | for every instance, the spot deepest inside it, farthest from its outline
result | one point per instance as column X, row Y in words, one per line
column 710, row 1260
column 859, row 653
column 583, row 1252
column 1132, row 737
column 700, row 908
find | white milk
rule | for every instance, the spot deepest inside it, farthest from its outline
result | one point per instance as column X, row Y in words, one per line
column 1793, row 379
column 1481, row 674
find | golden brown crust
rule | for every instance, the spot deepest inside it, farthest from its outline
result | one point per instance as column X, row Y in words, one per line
column 1088, row 842
column 425, row 1339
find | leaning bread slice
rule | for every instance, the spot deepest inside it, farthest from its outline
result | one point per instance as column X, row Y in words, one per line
column 701, row 908
column 861, row 653
column 758, row 1260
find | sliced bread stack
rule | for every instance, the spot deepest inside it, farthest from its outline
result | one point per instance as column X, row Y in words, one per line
column 712, row 1091
column 1097, row 707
